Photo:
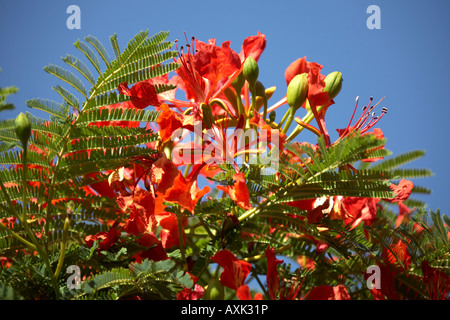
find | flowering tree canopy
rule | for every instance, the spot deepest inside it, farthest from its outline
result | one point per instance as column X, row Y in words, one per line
column 177, row 177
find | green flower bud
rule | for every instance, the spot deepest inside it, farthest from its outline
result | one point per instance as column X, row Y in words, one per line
column 23, row 128
column 251, row 71
column 272, row 116
column 238, row 83
column 297, row 91
column 215, row 290
column 333, row 84
column 208, row 118
column 260, row 89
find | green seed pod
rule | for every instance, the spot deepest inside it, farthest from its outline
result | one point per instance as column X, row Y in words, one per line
column 215, row 290
column 23, row 128
column 297, row 91
column 333, row 84
column 251, row 71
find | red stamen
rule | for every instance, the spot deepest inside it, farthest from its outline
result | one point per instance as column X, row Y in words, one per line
column 366, row 121
column 187, row 63
column 354, row 111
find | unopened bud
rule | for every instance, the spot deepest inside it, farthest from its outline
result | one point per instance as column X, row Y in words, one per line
column 215, row 290
column 297, row 91
column 23, row 128
column 208, row 118
column 260, row 89
column 272, row 116
column 251, row 71
column 238, row 83
column 333, row 84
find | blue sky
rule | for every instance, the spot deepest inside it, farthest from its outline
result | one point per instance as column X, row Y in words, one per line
column 407, row 60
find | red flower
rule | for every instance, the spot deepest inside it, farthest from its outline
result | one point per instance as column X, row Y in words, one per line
column 155, row 252
column 202, row 75
column 191, row 294
column 215, row 63
column 185, row 192
column 107, row 239
column 401, row 191
column 268, row 134
column 316, row 84
column 304, row 205
column 379, row 135
column 253, row 46
column 5, row 262
column 326, row 292
column 102, row 187
column 163, row 173
column 9, row 222
column 142, row 94
column 243, row 293
column 360, row 210
column 273, row 280
column 316, row 80
column 387, row 284
column 207, row 69
column 299, row 66
column 238, row 191
column 169, row 121
column 169, row 233
column 234, row 271
column 366, row 121
column 401, row 260
column 306, row 262
column 141, row 208
column 437, row 282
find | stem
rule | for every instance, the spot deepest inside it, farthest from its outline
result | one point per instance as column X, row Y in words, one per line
column 291, row 114
column 253, row 105
column 254, row 210
column 18, row 237
column 246, row 139
column 24, row 184
column 23, row 221
column 180, row 238
column 186, row 170
column 306, row 119
column 263, row 288
column 265, row 108
column 321, row 124
column 283, row 120
column 63, row 245
column 207, row 229
column 259, row 256
column 221, row 104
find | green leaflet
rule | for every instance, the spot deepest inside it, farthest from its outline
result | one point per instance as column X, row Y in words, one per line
column 118, row 114
column 4, row 93
column 66, row 148
column 58, row 110
column 154, row 279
